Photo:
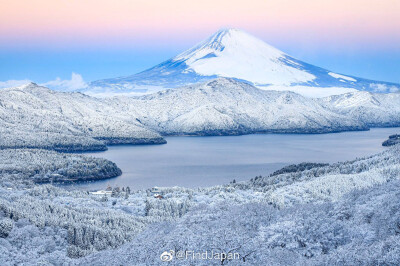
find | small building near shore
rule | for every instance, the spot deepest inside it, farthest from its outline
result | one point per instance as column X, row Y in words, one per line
column 101, row 192
column 158, row 196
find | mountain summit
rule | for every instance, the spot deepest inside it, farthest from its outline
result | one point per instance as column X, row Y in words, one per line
column 236, row 54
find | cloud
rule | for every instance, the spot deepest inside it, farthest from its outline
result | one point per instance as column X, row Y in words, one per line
column 75, row 83
column 13, row 83
column 378, row 87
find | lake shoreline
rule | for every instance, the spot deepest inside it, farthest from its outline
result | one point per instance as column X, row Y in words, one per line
column 193, row 161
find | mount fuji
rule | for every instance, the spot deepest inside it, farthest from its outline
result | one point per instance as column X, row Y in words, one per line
column 233, row 53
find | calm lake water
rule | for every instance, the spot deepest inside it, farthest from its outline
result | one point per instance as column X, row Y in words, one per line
column 207, row 161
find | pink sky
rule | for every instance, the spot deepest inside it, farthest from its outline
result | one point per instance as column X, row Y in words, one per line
column 44, row 39
column 88, row 22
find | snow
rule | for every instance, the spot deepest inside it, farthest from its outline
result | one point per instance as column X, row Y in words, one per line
column 372, row 109
column 128, row 90
column 226, row 106
column 36, row 117
column 43, row 166
column 311, row 92
column 339, row 76
column 347, row 212
column 310, row 214
column 234, row 53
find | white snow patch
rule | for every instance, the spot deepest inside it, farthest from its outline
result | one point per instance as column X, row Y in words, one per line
column 339, row 76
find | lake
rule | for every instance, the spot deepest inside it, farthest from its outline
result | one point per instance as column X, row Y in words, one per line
column 206, row 161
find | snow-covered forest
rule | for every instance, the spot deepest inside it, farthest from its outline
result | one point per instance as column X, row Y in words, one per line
column 316, row 214
column 26, row 166
column 37, row 117
column 310, row 213
column 270, row 160
column 392, row 140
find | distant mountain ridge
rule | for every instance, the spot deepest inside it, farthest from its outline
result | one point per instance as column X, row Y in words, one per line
column 225, row 106
column 233, row 53
column 37, row 117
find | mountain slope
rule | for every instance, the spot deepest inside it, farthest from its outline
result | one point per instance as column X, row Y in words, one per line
column 235, row 54
column 37, row 117
column 373, row 110
column 345, row 212
column 226, row 106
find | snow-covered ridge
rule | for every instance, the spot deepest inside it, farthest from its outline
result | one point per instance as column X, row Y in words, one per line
column 36, row 117
column 330, row 182
column 372, row 109
column 236, row 54
column 226, row 106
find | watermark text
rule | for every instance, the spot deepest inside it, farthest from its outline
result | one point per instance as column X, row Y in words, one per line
column 195, row 255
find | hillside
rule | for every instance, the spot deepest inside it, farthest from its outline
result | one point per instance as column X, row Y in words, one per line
column 346, row 212
column 37, row 117
column 226, row 106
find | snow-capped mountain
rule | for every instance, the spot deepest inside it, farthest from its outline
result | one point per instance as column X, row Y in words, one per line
column 236, row 54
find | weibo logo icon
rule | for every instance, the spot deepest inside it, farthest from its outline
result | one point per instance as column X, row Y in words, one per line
column 167, row 255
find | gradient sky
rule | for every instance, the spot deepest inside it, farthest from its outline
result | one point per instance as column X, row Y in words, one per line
column 44, row 39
